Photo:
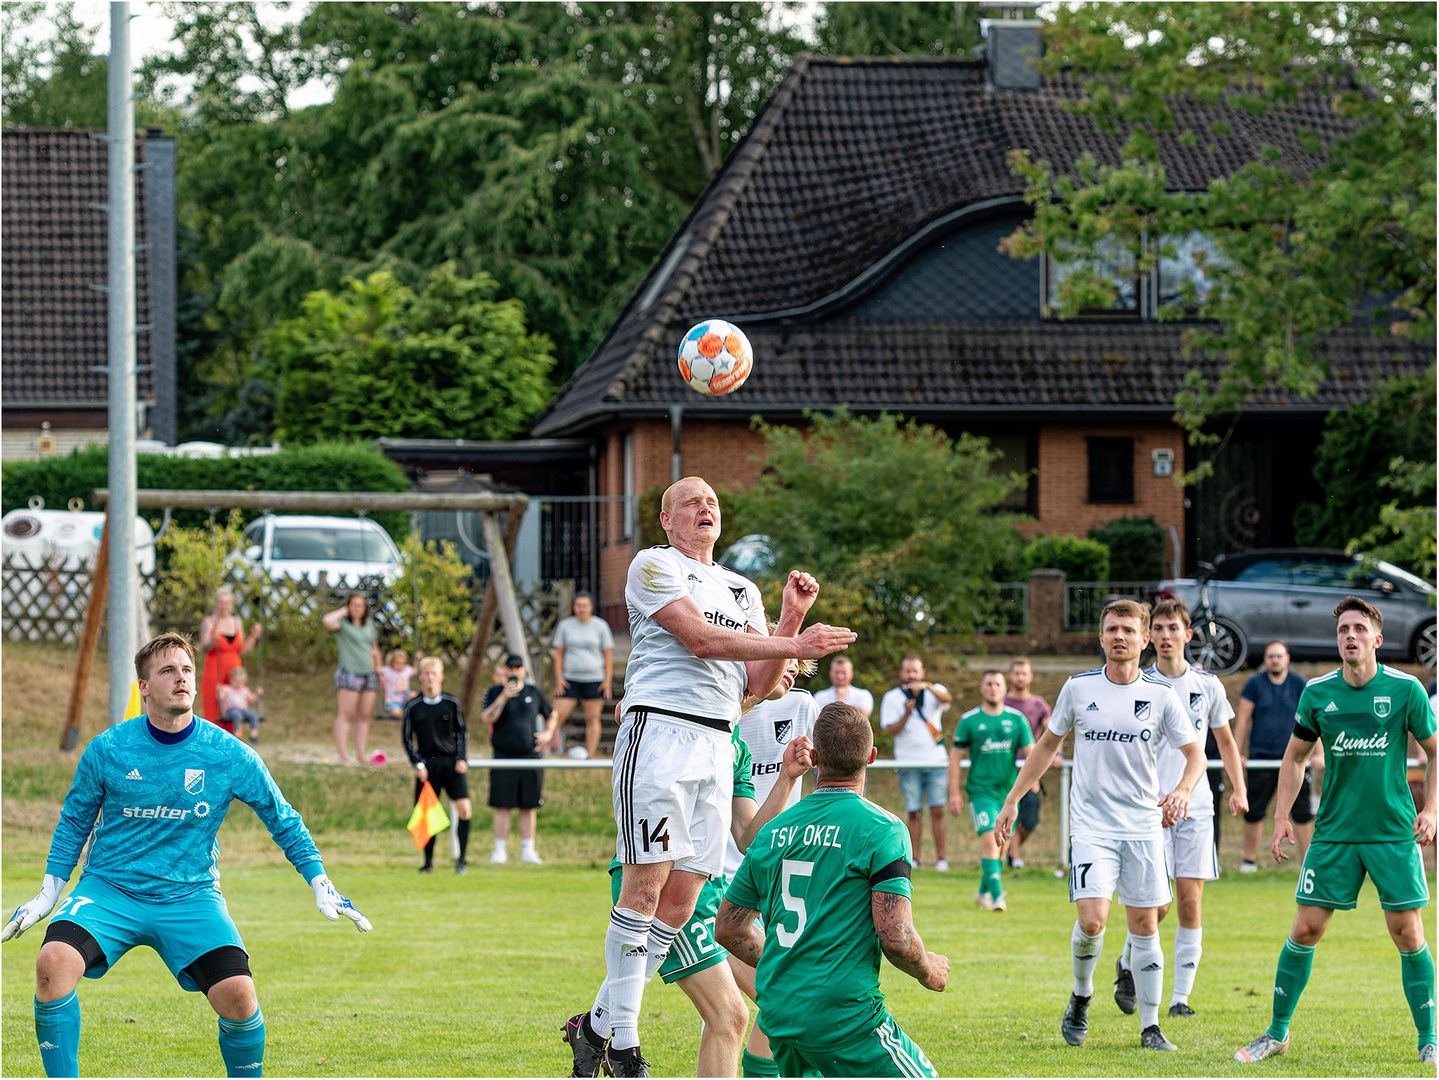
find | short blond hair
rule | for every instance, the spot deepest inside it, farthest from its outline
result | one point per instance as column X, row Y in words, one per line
column 432, row 662
column 1126, row 609
column 667, row 500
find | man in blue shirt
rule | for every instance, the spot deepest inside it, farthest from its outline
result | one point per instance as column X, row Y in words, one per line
column 1262, row 727
column 150, row 794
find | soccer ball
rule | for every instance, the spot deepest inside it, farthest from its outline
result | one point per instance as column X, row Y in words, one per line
column 715, row 357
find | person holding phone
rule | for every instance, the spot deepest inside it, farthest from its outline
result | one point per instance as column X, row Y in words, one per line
column 512, row 710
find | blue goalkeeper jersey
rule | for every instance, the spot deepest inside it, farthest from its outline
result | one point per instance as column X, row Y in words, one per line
column 151, row 810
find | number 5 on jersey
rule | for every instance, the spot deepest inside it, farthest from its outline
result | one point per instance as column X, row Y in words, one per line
column 789, row 870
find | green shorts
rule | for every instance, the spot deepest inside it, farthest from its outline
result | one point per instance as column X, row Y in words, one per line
column 695, row 947
column 885, row 1051
column 984, row 812
column 1332, row 874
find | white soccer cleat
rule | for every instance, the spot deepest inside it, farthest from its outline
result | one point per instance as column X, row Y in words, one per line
column 531, row 857
column 1001, row 904
column 498, row 858
column 1266, row 1046
column 1247, row 867
column 984, row 900
column 942, row 866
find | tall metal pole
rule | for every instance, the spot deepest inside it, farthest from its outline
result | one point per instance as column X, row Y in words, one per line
column 124, row 578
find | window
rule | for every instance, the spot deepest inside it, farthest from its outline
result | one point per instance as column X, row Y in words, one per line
column 1111, row 470
column 627, row 529
column 1319, row 571
column 1195, row 256
column 1181, row 262
column 1112, row 263
column 1267, row 572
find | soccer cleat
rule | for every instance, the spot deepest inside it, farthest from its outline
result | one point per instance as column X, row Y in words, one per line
column 1151, row 1038
column 588, row 1047
column 1181, row 1008
column 427, row 869
column 1426, row 1053
column 1001, row 903
column 1247, row 867
column 984, row 900
column 532, row 858
column 1266, row 1046
column 626, row 1062
column 461, row 867
column 1016, row 864
column 1123, row 988
column 498, row 858
column 1075, row 1025
column 941, row 866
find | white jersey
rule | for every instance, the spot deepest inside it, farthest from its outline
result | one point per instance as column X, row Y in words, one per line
column 856, row 696
column 922, row 737
column 661, row 672
column 1114, row 791
column 767, row 729
column 1204, row 701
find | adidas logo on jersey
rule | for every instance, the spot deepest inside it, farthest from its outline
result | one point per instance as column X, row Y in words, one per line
column 1152, row 967
column 1092, row 707
column 1331, row 707
column 134, row 774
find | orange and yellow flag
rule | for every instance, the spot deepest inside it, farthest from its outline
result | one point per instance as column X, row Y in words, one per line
column 429, row 817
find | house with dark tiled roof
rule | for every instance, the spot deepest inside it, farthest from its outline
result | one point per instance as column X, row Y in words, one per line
column 53, row 270
column 853, row 236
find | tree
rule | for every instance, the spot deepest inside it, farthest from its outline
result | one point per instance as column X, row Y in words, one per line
column 1404, row 533
column 903, row 28
column 899, row 523
column 379, row 359
column 1298, row 252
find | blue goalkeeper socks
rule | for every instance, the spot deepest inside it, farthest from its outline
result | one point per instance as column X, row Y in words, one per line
column 57, row 1030
column 242, row 1045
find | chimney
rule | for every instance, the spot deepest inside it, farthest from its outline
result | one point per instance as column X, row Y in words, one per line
column 1012, row 46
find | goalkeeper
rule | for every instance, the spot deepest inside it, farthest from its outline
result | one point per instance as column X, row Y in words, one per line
column 150, row 794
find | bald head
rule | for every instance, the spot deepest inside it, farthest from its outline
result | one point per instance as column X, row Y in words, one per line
column 690, row 517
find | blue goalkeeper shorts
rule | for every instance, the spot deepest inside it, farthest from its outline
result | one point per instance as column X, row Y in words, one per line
column 181, row 931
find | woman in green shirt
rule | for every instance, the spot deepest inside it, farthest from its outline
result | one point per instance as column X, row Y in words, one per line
column 358, row 675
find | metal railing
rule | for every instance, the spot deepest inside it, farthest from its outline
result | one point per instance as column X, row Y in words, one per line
column 1084, row 600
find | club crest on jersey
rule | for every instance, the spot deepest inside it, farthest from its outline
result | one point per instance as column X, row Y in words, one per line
column 1195, row 699
column 741, row 597
column 194, row 781
column 1141, row 710
column 1382, row 707
column 782, row 728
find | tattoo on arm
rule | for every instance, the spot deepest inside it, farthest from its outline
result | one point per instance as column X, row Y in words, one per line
column 894, row 925
column 735, row 929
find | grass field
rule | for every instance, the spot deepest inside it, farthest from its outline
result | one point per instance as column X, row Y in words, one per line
column 472, row 976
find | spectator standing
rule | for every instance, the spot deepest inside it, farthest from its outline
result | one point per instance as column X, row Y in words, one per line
column 395, row 677
column 357, row 675
column 1036, row 711
column 437, row 744
column 912, row 713
column 512, row 711
column 842, row 689
column 584, row 665
column 238, row 701
column 223, row 642
column 1262, row 727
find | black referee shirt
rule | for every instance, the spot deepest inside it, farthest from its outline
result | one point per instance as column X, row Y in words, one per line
column 434, row 730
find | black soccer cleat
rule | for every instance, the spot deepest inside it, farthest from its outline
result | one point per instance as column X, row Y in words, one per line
column 626, row 1062
column 427, row 869
column 461, row 867
column 1075, row 1025
column 588, row 1047
column 1181, row 1008
column 1151, row 1038
column 1123, row 988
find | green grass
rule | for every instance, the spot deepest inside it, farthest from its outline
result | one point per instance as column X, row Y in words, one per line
column 473, row 976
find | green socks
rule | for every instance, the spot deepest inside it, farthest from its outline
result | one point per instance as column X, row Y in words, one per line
column 1295, row 963
column 1417, row 970
column 989, row 877
column 757, row 1066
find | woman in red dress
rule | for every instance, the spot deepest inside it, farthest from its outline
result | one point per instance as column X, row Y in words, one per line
column 223, row 642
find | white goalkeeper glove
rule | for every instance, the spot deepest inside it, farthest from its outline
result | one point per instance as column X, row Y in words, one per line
column 31, row 912
column 332, row 905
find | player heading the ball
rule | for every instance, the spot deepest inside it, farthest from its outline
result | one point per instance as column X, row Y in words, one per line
column 699, row 644
column 150, row 794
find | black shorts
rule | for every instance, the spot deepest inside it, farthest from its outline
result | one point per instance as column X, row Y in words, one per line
column 512, row 789
column 583, row 691
column 444, row 778
column 1029, row 810
column 1262, row 785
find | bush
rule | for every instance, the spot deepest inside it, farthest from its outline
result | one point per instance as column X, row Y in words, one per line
column 1136, row 548
column 322, row 467
column 1081, row 560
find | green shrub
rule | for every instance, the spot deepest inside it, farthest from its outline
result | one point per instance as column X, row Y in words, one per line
column 322, row 467
column 1081, row 560
column 1136, row 548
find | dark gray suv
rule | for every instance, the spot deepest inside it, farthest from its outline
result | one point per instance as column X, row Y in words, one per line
column 1289, row 594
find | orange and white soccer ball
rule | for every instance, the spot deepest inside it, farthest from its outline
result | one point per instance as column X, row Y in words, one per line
column 715, row 357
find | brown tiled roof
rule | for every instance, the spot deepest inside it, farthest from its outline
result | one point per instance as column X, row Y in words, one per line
column 55, row 246
column 847, row 163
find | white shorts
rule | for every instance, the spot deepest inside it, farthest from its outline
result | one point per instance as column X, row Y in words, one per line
column 672, row 786
column 1189, row 849
column 1097, row 866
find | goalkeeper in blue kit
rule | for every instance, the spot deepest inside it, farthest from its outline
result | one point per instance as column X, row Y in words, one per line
column 150, row 794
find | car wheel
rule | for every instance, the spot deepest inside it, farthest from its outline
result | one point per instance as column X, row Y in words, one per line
column 1424, row 646
column 1218, row 646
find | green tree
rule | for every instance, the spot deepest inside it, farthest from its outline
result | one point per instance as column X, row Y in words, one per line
column 1298, row 250
column 1081, row 560
column 899, row 522
column 377, row 359
column 903, row 28
column 1405, row 534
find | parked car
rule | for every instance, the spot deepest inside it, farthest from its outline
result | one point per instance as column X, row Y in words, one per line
column 299, row 547
column 1289, row 594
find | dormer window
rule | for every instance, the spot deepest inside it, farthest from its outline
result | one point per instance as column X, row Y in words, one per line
column 1109, row 285
column 1110, row 269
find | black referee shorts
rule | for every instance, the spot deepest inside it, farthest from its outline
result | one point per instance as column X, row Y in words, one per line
column 517, row 789
column 1262, row 785
column 444, row 778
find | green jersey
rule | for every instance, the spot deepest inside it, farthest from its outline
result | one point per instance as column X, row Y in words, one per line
column 743, row 778
column 809, row 873
column 992, row 742
column 1364, row 730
